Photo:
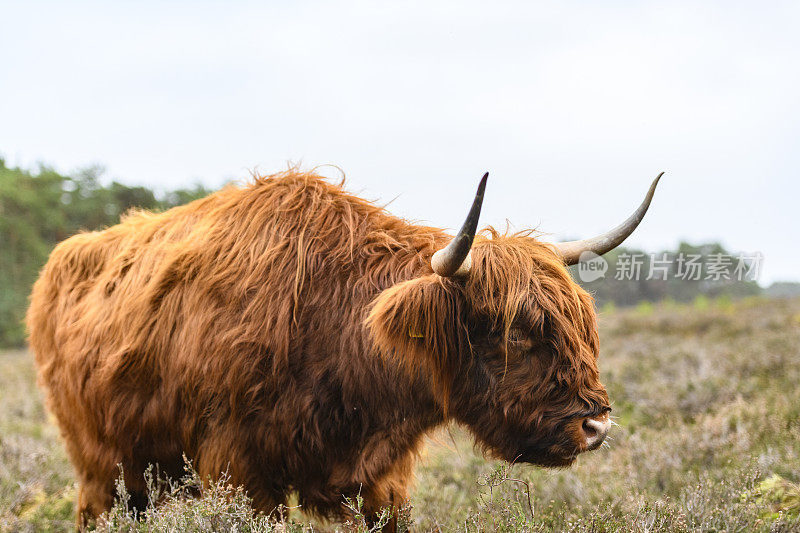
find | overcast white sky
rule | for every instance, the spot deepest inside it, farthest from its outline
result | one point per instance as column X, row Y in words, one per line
column 573, row 107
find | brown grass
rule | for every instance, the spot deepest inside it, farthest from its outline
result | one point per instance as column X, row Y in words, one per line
column 708, row 404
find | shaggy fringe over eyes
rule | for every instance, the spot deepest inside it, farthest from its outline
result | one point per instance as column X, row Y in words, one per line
column 518, row 281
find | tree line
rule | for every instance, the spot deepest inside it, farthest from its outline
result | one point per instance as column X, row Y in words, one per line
column 40, row 209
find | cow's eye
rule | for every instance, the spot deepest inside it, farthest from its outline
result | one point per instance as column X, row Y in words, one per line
column 518, row 335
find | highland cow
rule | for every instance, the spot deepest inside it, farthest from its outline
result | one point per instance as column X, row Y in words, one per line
column 305, row 341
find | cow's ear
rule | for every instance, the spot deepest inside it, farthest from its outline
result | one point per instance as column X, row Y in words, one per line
column 419, row 324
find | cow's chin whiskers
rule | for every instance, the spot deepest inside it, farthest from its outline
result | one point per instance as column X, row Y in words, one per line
column 555, row 461
column 555, row 456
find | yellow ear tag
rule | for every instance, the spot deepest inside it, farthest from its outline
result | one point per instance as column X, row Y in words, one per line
column 414, row 335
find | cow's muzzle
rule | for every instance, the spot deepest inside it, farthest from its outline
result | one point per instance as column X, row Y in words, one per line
column 594, row 430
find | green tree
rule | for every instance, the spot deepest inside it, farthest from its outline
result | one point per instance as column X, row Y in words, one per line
column 38, row 210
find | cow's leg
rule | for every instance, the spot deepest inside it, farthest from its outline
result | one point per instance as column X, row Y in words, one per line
column 390, row 493
column 388, row 496
column 94, row 497
column 98, row 490
column 221, row 453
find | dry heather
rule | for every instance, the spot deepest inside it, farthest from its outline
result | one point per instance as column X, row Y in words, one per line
column 707, row 398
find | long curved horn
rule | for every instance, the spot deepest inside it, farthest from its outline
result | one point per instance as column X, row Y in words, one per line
column 454, row 259
column 571, row 251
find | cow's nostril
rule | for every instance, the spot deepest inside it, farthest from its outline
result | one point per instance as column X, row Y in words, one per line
column 595, row 431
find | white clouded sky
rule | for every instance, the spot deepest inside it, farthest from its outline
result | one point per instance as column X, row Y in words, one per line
column 573, row 107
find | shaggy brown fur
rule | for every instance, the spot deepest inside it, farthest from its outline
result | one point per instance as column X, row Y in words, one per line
column 295, row 335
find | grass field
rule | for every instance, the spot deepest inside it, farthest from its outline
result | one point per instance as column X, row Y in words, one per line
column 707, row 398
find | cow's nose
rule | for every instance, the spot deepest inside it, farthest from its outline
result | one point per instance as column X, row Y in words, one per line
column 595, row 431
